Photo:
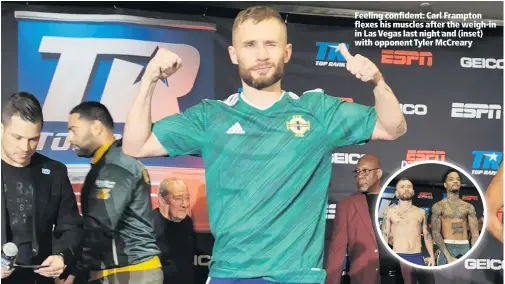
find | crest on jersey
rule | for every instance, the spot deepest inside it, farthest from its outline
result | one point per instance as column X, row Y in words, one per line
column 298, row 125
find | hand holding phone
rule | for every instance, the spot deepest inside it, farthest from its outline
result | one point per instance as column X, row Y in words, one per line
column 30, row 266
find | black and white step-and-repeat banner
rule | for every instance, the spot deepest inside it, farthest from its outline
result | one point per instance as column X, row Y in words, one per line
column 453, row 103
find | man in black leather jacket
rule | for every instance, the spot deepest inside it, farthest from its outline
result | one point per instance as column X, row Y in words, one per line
column 118, row 240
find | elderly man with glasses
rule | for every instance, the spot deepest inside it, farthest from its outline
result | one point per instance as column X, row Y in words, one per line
column 355, row 232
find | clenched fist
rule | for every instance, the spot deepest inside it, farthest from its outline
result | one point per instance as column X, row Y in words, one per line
column 162, row 65
column 360, row 66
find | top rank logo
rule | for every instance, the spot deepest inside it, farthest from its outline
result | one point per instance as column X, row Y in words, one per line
column 67, row 62
column 329, row 54
column 486, row 162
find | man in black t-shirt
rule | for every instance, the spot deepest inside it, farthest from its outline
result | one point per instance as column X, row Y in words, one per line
column 174, row 231
column 38, row 202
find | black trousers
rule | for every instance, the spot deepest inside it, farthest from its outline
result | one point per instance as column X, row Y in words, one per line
column 420, row 276
column 392, row 277
column 25, row 275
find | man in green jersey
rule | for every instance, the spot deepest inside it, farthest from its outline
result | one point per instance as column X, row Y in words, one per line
column 267, row 152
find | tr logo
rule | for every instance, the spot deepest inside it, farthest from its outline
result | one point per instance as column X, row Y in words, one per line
column 77, row 63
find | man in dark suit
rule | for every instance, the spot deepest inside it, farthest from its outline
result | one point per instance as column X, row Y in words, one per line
column 354, row 232
column 38, row 203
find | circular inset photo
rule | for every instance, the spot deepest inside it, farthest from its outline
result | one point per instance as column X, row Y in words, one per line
column 431, row 214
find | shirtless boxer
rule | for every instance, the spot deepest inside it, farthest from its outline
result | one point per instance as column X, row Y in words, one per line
column 405, row 223
column 451, row 220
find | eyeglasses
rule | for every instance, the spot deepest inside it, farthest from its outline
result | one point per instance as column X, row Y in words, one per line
column 365, row 172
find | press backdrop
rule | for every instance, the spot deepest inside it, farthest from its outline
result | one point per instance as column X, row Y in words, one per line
column 453, row 108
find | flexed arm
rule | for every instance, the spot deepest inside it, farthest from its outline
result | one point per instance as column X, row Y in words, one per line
column 138, row 139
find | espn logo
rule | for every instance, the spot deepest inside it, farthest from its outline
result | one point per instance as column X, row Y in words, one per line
column 462, row 110
column 423, row 155
column 425, row 195
column 469, row 198
column 406, row 57
column 330, row 211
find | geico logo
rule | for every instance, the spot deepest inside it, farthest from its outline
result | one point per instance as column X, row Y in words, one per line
column 345, row 158
column 201, row 260
column 494, row 264
column 488, row 63
column 414, row 109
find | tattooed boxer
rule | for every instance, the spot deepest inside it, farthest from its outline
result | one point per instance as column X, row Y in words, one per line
column 451, row 220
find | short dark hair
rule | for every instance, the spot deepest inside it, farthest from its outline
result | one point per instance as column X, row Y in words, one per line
column 24, row 105
column 94, row 111
column 402, row 179
column 446, row 174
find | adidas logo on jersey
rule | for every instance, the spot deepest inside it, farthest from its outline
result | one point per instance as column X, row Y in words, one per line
column 236, row 129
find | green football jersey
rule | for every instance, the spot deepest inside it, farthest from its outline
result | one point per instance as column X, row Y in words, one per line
column 267, row 173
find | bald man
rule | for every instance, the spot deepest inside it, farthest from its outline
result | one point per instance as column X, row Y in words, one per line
column 354, row 232
column 174, row 231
